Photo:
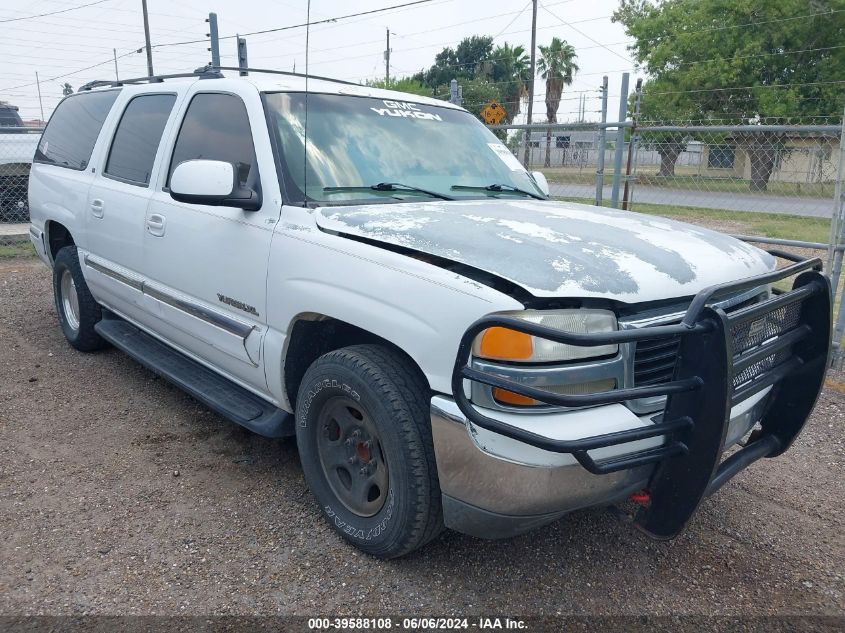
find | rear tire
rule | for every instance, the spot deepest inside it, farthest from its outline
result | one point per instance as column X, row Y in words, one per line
column 364, row 436
column 78, row 311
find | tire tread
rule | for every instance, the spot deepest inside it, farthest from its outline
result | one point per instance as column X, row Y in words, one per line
column 405, row 391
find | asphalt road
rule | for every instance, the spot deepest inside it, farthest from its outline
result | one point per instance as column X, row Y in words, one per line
column 119, row 494
column 813, row 207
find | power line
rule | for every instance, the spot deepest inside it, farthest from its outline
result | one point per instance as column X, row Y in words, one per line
column 304, row 24
column 516, row 17
column 41, row 15
column 580, row 32
column 74, row 72
column 812, row 83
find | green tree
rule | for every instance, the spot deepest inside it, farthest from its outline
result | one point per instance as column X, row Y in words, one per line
column 405, row 84
column 557, row 66
column 737, row 60
column 468, row 60
column 476, row 94
column 511, row 70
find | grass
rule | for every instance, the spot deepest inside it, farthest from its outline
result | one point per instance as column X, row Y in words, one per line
column 17, row 249
column 688, row 178
column 790, row 227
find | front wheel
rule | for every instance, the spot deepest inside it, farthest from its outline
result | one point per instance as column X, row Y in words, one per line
column 364, row 436
column 78, row 311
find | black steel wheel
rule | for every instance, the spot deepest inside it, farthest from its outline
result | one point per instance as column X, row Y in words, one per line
column 351, row 456
column 363, row 430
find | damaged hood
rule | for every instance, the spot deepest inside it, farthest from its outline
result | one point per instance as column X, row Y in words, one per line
column 559, row 249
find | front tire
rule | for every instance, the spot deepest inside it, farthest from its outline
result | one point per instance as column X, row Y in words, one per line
column 364, row 436
column 78, row 311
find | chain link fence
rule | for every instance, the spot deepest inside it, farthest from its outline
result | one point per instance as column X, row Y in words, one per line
column 763, row 168
column 760, row 168
column 780, row 186
column 17, row 147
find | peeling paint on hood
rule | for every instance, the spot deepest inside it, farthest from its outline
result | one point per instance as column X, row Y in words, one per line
column 558, row 249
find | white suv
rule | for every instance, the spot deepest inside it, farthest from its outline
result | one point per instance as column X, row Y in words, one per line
column 377, row 275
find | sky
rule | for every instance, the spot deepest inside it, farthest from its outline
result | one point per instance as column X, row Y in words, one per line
column 352, row 49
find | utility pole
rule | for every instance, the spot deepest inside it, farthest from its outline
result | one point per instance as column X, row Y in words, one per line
column 387, row 61
column 116, row 75
column 40, row 104
column 147, row 38
column 531, row 81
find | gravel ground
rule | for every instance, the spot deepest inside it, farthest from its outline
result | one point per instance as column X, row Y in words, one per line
column 121, row 495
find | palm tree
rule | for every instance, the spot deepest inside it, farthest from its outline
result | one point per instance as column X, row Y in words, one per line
column 511, row 70
column 557, row 66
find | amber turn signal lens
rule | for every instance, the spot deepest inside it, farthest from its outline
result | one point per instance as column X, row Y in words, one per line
column 509, row 397
column 503, row 344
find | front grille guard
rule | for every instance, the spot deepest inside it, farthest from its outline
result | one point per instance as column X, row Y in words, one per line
column 723, row 359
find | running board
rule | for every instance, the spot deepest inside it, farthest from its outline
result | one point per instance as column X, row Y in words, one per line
column 218, row 393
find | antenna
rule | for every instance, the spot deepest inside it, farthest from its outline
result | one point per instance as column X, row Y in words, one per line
column 305, row 126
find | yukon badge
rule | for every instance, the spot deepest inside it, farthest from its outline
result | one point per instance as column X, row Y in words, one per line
column 240, row 305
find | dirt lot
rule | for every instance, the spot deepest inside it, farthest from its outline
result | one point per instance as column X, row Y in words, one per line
column 121, row 495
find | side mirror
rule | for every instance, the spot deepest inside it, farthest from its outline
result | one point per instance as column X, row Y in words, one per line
column 542, row 183
column 211, row 182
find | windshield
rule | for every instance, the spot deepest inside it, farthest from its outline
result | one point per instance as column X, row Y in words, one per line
column 361, row 142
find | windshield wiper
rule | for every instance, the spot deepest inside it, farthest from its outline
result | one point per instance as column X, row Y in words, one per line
column 498, row 188
column 387, row 186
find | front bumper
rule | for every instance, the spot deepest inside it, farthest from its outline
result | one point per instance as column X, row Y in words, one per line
column 496, row 487
column 765, row 363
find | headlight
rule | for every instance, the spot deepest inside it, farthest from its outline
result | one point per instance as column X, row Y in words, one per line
column 498, row 343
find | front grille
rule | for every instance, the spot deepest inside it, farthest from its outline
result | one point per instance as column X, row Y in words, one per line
column 654, row 360
column 749, row 335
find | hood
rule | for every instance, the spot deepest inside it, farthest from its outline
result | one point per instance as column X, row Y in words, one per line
column 559, row 249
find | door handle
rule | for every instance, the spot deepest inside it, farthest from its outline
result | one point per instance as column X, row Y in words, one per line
column 97, row 208
column 156, row 224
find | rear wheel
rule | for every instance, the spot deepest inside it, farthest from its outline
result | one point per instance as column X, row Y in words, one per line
column 364, row 437
column 78, row 311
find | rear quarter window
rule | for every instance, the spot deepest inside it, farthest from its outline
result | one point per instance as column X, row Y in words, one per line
column 73, row 129
column 138, row 134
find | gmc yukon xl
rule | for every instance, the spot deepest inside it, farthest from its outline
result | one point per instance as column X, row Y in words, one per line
column 375, row 274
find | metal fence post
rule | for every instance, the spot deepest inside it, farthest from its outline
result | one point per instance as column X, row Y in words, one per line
column 620, row 141
column 243, row 62
column 835, row 254
column 631, row 167
column 215, row 40
column 602, row 142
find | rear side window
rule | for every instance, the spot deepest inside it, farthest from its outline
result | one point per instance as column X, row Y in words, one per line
column 216, row 127
column 73, row 129
column 133, row 150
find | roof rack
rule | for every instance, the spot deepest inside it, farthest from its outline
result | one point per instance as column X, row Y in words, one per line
column 286, row 72
column 207, row 72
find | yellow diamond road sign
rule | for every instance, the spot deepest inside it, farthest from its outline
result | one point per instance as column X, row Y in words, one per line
column 493, row 113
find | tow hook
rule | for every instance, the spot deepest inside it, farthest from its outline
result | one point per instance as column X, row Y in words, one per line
column 643, row 497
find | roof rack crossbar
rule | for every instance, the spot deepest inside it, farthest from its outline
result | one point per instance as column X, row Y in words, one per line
column 205, row 72
column 286, row 72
